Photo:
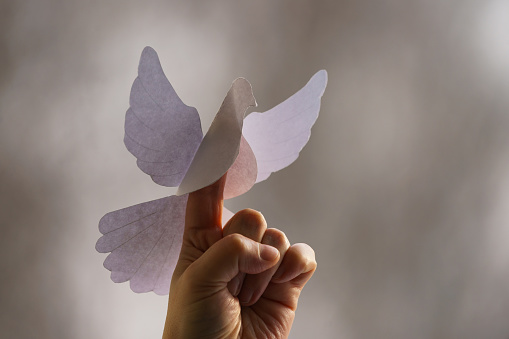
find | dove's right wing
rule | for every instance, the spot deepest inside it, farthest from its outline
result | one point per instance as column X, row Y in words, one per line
column 160, row 130
column 279, row 134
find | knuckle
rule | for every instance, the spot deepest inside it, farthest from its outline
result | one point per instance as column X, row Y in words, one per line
column 237, row 242
column 309, row 263
column 275, row 237
column 248, row 222
column 251, row 218
column 305, row 249
column 304, row 257
column 307, row 257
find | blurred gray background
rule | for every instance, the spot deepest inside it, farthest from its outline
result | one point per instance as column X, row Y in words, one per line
column 403, row 189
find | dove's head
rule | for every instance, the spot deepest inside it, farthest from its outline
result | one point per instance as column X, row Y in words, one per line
column 243, row 94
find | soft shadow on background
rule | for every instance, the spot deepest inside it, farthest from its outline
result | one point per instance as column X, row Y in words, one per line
column 403, row 189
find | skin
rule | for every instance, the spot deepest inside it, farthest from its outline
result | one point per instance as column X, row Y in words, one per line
column 242, row 281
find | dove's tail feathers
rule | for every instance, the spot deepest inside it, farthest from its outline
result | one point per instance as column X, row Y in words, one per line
column 144, row 241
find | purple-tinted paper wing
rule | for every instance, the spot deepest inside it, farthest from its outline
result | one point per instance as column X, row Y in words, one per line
column 144, row 241
column 279, row 134
column 160, row 130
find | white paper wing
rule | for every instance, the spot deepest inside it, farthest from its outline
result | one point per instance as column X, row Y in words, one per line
column 279, row 134
column 160, row 130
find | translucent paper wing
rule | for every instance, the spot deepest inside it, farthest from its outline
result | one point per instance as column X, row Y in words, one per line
column 160, row 130
column 144, row 241
column 279, row 134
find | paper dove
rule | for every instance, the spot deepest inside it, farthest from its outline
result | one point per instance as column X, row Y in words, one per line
column 165, row 136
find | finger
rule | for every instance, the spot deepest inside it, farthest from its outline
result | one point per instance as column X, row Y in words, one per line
column 254, row 285
column 251, row 224
column 203, row 225
column 226, row 258
column 297, row 266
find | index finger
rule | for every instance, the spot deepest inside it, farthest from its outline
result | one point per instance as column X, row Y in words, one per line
column 203, row 225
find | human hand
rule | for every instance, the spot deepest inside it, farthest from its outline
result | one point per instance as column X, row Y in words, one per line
column 242, row 281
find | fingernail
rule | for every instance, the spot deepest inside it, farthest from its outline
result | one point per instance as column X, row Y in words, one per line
column 268, row 253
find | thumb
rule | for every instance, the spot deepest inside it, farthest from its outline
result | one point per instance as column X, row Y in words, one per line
column 229, row 256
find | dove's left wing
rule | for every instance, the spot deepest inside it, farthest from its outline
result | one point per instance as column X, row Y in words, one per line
column 160, row 130
column 279, row 134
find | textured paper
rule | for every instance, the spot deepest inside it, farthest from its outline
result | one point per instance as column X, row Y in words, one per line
column 160, row 130
column 279, row 134
column 220, row 147
column 165, row 136
column 144, row 241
